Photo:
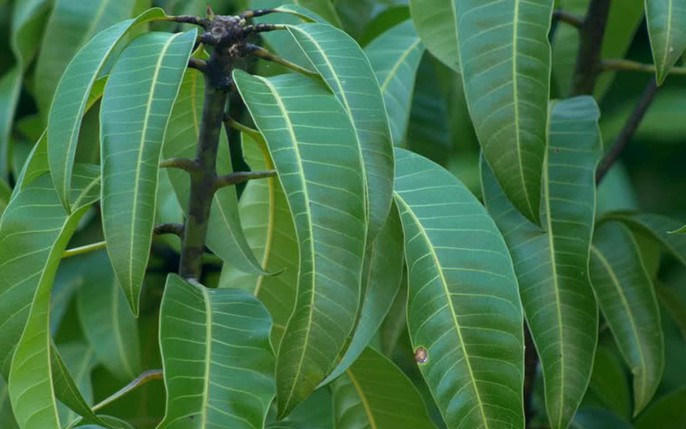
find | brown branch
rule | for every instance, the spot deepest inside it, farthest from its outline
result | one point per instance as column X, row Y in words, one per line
column 169, row 228
column 242, row 177
column 588, row 58
column 189, row 19
column 185, row 164
column 568, row 18
column 232, row 123
column 197, row 64
column 628, row 131
column 261, row 28
column 255, row 13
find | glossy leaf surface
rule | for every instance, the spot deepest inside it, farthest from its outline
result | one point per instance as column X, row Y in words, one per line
column 319, row 164
column 552, row 263
column 460, row 275
column 138, row 100
column 667, row 28
column 218, row 365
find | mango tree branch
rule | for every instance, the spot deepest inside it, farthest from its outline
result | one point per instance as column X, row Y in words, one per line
column 592, row 33
column 628, row 65
column 568, row 18
column 169, row 228
column 197, row 64
column 232, row 123
column 256, row 13
column 189, row 19
column 185, row 164
column 241, row 177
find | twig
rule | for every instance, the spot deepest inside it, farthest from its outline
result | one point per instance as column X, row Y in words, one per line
column 241, row 177
column 628, row 131
column 588, row 58
column 189, row 19
column 255, row 13
column 84, row 249
column 260, row 52
column 628, row 65
column 197, row 64
column 568, row 18
column 169, row 228
column 261, row 28
column 145, row 377
column 230, row 122
column 185, row 164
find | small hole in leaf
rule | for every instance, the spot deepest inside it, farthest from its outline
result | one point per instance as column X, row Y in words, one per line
column 421, row 355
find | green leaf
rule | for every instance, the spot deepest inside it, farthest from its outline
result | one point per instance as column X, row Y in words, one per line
column 505, row 58
column 72, row 94
column 346, row 70
column 42, row 217
column 5, row 194
column 658, row 227
column 108, row 325
column 681, row 230
column 7, row 420
column 666, row 412
column 135, row 110
column 225, row 236
column 374, row 392
column 395, row 57
column 381, row 277
column 218, row 365
column 627, row 298
column 552, row 263
column 312, row 10
column 72, row 379
column 71, row 24
column 675, row 305
column 593, row 418
column 436, row 23
column 319, row 164
column 667, row 28
column 268, row 225
column 10, row 87
column 609, row 382
column 460, row 275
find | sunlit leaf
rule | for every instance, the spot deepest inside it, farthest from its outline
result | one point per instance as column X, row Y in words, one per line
column 667, row 28
column 460, row 275
column 505, row 60
column 138, row 100
column 218, row 365
column 552, row 263
column 319, row 163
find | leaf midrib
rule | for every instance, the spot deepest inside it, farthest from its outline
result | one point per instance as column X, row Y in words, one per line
column 363, row 399
column 396, row 66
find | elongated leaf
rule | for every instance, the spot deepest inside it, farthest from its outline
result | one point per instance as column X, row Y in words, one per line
column 675, row 305
column 72, row 379
column 505, row 58
column 30, row 374
column 627, row 298
column 667, row 412
column 659, row 227
column 346, row 69
column 383, row 272
column 594, row 418
column 315, row 152
column 609, row 383
column 460, row 274
column 312, row 11
column 5, row 194
column 375, row 393
column 106, row 321
column 667, row 28
column 218, row 365
column 395, row 57
column 268, row 225
column 138, row 100
column 225, row 236
column 71, row 24
column 7, row 419
column 10, row 87
column 71, row 97
column 436, row 23
column 552, row 264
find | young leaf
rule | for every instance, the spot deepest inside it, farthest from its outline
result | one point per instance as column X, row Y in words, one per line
column 346, row 70
column 138, row 100
column 667, row 28
column 436, row 22
column 552, row 264
column 72, row 94
column 374, row 392
column 218, row 365
column 505, row 58
column 395, row 57
column 627, row 298
column 319, row 163
column 460, row 277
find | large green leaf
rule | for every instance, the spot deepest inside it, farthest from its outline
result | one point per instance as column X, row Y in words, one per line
column 436, row 22
column 667, row 412
column 667, row 28
column 552, row 263
column 225, row 236
column 107, row 323
column 315, row 152
column 460, row 275
column 72, row 94
column 268, row 225
column 627, row 298
column 72, row 366
column 395, row 57
column 609, row 385
column 135, row 110
column 374, row 393
column 505, row 58
column 71, row 24
column 346, row 70
column 218, row 365
column 659, row 227
column 30, row 375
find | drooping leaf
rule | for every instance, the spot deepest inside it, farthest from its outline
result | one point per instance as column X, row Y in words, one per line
column 72, row 94
column 374, row 393
column 460, row 275
column 552, row 263
column 505, row 60
column 666, row 412
column 346, row 70
column 395, row 57
column 319, row 163
column 436, row 23
column 44, row 217
column 135, row 110
column 667, row 28
column 225, row 236
column 218, row 365
column 627, row 298
column 658, row 227
column 72, row 365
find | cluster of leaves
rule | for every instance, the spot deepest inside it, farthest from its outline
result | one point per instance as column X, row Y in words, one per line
column 363, row 285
